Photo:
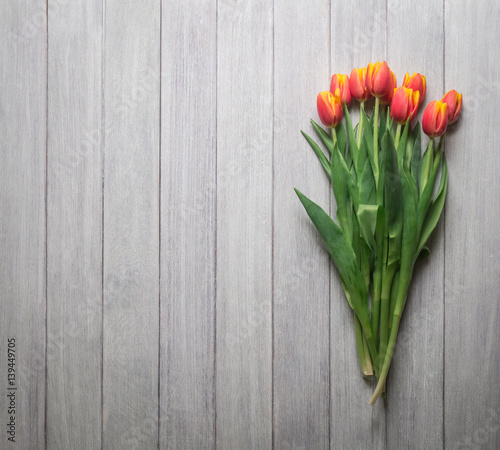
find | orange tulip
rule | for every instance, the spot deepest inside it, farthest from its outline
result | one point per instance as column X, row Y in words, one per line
column 357, row 85
column 417, row 83
column 454, row 101
column 404, row 104
column 378, row 79
column 329, row 109
column 387, row 98
column 341, row 82
column 435, row 119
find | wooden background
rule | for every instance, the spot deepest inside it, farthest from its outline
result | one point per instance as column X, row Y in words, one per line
column 162, row 282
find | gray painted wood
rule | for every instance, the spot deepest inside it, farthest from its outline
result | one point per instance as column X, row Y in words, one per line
column 183, row 260
column 244, row 225
column 415, row 385
column 353, row 424
column 22, row 216
column 188, row 225
column 74, row 231
column 131, row 224
column 301, row 267
column 472, row 281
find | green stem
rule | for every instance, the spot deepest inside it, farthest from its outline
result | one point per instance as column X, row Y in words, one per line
column 368, row 361
column 372, row 347
column 385, row 306
column 394, row 293
column 387, row 362
column 362, row 346
column 404, row 283
column 441, row 141
column 377, row 281
column 360, row 126
column 375, row 141
column 334, row 136
column 428, row 163
column 398, row 135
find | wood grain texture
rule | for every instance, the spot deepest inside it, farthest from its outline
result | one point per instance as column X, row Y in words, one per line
column 472, row 271
column 188, row 225
column 301, row 267
column 74, row 231
column 244, row 228
column 415, row 385
column 22, row 216
column 131, row 224
column 164, row 285
column 353, row 424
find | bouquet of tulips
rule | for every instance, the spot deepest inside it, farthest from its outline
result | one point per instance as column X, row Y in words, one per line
column 387, row 196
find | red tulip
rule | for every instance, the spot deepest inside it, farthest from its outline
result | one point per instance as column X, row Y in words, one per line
column 387, row 98
column 404, row 104
column 417, row 83
column 341, row 82
column 329, row 109
column 454, row 101
column 378, row 79
column 435, row 119
column 357, row 85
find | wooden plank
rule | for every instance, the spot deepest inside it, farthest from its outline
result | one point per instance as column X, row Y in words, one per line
column 244, row 228
column 415, row 385
column 131, row 224
column 74, row 231
column 300, row 266
column 358, row 33
column 472, row 270
column 188, row 226
column 22, row 219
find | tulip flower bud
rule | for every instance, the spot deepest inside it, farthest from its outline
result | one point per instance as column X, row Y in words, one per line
column 454, row 101
column 357, row 85
column 329, row 108
column 435, row 119
column 417, row 83
column 341, row 82
column 378, row 79
column 387, row 98
column 404, row 104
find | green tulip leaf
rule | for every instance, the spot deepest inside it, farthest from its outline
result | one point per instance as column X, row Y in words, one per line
column 341, row 139
column 351, row 138
column 425, row 196
column 435, row 209
column 367, row 193
column 408, row 242
column 413, row 187
column 368, row 132
column 324, row 136
column 367, row 219
column 392, row 184
column 424, row 252
column 349, row 179
column 416, row 153
column 356, row 242
column 339, row 186
column 342, row 255
column 410, row 140
column 401, row 150
column 362, row 159
column 382, row 124
column 319, row 153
